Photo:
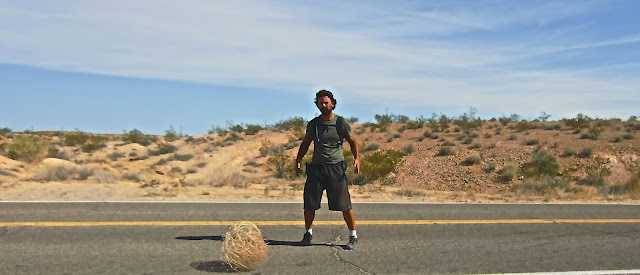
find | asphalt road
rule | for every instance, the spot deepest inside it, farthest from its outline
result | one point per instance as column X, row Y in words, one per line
column 182, row 238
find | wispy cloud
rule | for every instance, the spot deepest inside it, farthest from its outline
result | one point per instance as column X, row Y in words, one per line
column 497, row 56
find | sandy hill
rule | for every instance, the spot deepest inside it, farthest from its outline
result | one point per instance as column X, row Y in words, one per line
column 496, row 161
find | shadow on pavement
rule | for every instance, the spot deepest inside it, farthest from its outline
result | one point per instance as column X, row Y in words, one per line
column 213, row 266
column 268, row 241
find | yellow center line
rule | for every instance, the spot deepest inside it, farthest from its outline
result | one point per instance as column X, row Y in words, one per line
column 265, row 223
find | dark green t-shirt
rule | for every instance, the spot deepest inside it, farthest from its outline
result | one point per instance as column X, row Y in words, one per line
column 327, row 146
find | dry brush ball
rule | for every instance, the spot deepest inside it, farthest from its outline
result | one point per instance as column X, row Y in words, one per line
column 244, row 247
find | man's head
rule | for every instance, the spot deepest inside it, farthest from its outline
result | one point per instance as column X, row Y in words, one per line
column 325, row 101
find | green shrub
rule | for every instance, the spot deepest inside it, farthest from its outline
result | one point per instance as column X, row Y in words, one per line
column 472, row 160
column 475, row 145
column 586, row 152
column 171, row 135
column 512, row 137
column 28, row 148
column 408, row 149
column 282, row 165
column 115, row 156
column 378, row 165
column 628, row 136
column 448, row 143
column 596, row 173
column 253, row 129
column 533, row 141
column 4, row 131
column 593, row 133
column 542, row 163
column 164, row 148
column 568, row 152
column 76, row 139
column 136, row 136
column 445, row 151
column 509, row 171
column 371, row 147
column 633, row 184
column 467, row 140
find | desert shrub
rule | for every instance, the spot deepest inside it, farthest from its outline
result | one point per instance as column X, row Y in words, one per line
column 413, row 124
column 532, row 141
column 180, row 157
column 28, row 148
column 282, row 165
column 487, row 135
column 408, row 149
column 586, row 152
column 409, row 193
column 460, row 137
column 579, row 122
column 512, row 137
column 628, row 136
column 94, row 143
column 491, row 166
column 523, row 126
column 633, row 184
column 54, row 152
column 568, row 152
column 138, row 176
column 61, row 172
column 617, row 139
column 163, row 148
column 448, row 143
column 3, row 149
column 383, row 120
column 467, row 140
column 76, row 139
column 136, row 136
column 546, row 186
column 472, row 160
column 475, row 145
column 103, row 176
column 371, row 147
column 115, row 156
column 596, row 173
column 171, row 135
column 175, row 169
column 509, row 171
column 542, row 163
column 378, row 165
column 445, row 151
column 492, row 146
column 5, row 131
column 253, row 129
column 593, row 133
column 474, row 134
column 233, row 137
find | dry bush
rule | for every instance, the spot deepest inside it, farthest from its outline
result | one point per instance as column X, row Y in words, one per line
column 202, row 178
column 28, row 148
column 472, row 159
column 103, row 176
column 61, row 172
column 509, row 171
column 244, row 248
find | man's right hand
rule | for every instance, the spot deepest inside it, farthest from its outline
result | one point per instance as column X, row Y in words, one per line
column 298, row 169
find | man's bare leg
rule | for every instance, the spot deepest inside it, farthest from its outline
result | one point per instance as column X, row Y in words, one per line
column 309, row 215
column 350, row 218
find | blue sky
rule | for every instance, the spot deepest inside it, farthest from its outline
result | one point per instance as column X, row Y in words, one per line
column 111, row 66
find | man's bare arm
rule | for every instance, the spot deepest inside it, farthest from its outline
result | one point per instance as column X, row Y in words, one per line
column 353, row 143
column 304, row 147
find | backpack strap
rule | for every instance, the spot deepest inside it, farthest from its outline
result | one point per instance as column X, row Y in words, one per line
column 339, row 128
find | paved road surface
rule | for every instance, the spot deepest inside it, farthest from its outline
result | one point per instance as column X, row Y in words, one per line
column 183, row 238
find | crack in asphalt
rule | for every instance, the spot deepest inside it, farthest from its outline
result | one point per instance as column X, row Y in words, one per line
column 3, row 231
column 336, row 248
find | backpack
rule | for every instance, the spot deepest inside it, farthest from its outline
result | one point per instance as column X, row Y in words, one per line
column 339, row 128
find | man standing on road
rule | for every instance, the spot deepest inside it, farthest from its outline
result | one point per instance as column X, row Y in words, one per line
column 327, row 170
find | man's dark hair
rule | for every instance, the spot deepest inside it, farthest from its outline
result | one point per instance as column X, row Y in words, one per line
column 323, row 93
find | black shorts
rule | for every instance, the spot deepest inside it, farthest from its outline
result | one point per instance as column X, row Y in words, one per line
column 330, row 177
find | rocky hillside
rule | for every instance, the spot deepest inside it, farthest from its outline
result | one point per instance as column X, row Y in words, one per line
column 579, row 159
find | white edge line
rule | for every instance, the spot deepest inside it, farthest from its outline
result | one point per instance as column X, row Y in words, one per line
column 300, row 202
column 591, row 272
